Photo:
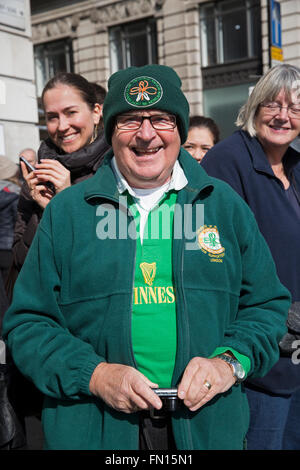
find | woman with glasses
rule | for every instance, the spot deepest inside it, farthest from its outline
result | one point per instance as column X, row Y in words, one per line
column 259, row 163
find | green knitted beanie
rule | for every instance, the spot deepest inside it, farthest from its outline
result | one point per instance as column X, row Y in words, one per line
column 149, row 87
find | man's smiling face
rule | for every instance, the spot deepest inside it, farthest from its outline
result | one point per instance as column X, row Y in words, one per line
column 146, row 156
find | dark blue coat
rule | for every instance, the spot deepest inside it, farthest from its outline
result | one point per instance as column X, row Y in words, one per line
column 241, row 161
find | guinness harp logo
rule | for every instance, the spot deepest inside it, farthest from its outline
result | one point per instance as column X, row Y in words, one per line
column 149, row 271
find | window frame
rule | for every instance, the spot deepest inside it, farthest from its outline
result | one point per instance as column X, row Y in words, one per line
column 217, row 17
column 148, row 28
column 67, row 49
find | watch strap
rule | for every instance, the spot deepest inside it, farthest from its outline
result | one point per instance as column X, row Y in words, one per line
column 232, row 362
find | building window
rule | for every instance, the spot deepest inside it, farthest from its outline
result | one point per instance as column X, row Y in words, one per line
column 51, row 58
column 230, row 31
column 133, row 44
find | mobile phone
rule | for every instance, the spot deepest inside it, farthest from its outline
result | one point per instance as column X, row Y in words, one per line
column 28, row 165
column 31, row 168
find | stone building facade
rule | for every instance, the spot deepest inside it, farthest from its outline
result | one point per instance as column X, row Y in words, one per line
column 219, row 48
column 18, row 105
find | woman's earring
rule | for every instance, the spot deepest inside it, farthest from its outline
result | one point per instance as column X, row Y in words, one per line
column 95, row 133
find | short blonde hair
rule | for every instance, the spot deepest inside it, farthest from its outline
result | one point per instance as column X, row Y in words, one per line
column 267, row 88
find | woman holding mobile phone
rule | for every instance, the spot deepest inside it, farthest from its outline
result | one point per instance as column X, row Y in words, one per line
column 73, row 152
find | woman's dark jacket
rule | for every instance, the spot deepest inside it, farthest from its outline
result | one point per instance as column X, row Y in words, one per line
column 9, row 195
column 82, row 164
column 241, row 161
column 8, row 211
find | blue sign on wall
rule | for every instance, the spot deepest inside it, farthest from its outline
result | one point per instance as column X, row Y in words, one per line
column 275, row 18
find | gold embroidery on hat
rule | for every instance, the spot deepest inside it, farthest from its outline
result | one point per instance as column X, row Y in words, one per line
column 143, row 90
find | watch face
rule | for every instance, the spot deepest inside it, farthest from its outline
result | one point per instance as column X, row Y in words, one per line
column 239, row 371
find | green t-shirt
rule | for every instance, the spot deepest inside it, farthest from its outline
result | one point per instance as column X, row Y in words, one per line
column 154, row 330
column 154, row 326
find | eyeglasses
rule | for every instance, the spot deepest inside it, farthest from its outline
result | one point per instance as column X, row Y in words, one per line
column 272, row 109
column 160, row 122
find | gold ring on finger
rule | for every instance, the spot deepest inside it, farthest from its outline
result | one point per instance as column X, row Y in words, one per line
column 207, row 385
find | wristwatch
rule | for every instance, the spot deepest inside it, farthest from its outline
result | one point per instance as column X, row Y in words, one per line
column 237, row 368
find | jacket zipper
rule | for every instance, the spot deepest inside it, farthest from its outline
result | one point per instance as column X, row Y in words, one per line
column 131, row 303
column 183, row 423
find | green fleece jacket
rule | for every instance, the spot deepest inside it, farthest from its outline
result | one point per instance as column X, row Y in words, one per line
column 73, row 300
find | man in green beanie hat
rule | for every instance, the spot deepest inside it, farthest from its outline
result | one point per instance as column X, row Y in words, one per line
column 148, row 87
column 156, row 285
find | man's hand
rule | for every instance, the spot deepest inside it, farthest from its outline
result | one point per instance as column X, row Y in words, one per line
column 192, row 388
column 123, row 388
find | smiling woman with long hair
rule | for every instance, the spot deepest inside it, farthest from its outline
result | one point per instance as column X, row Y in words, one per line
column 73, row 152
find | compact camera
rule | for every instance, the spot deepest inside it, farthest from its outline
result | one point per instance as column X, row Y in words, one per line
column 169, row 398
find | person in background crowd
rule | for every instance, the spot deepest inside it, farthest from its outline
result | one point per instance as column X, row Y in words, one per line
column 103, row 313
column 9, row 196
column 203, row 134
column 72, row 153
column 11, row 427
column 100, row 92
column 30, row 156
column 100, row 96
column 259, row 163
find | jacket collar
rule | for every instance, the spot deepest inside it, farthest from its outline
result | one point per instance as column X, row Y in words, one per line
column 177, row 182
column 103, row 183
column 259, row 159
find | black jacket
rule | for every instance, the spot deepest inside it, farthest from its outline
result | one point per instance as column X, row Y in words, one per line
column 241, row 161
column 82, row 164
